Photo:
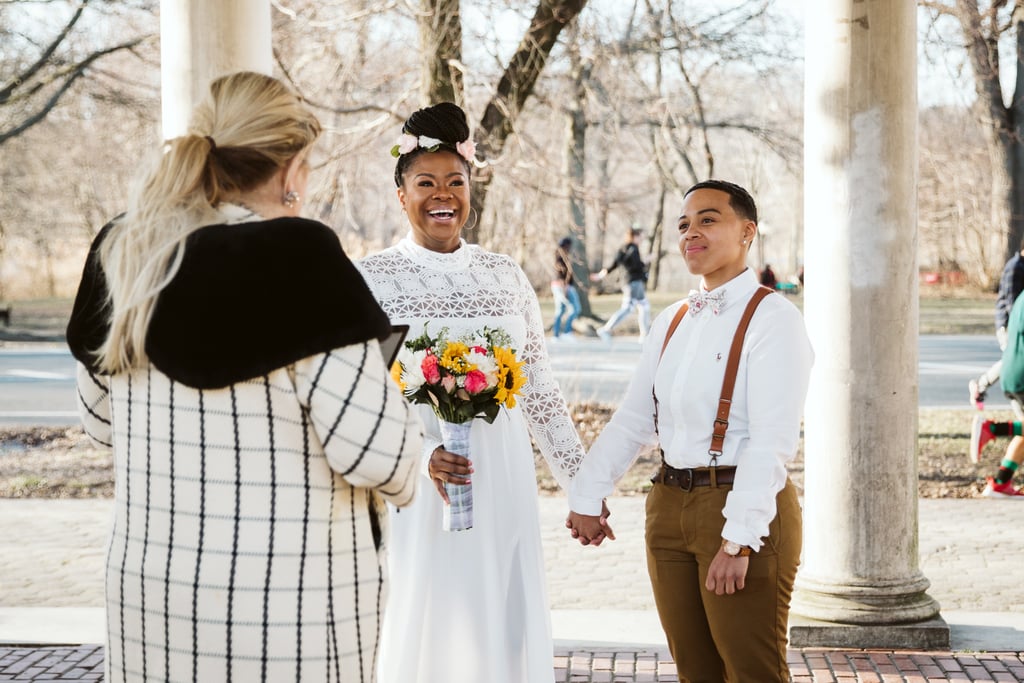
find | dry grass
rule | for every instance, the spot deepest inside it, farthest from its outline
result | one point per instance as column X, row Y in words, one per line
column 62, row 463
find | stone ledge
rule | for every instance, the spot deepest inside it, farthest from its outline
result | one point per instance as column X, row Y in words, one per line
column 932, row 634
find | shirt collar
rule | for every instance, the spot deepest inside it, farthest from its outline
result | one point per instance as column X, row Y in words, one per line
column 738, row 289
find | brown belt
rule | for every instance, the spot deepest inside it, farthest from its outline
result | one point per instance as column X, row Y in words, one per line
column 687, row 478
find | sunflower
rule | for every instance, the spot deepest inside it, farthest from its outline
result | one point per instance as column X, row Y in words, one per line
column 454, row 358
column 510, row 376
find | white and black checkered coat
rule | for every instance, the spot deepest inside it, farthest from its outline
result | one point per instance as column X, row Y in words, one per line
column 249, row 530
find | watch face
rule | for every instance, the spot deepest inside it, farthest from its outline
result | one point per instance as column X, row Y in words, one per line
column 732, row 548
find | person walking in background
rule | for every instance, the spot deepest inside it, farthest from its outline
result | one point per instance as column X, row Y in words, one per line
column 1011, row 283
column 768, row 278
column 723, row 528
column 251, row 460
column 471, row 605
column 634, row 291
column 982, row 431
column 563, row 289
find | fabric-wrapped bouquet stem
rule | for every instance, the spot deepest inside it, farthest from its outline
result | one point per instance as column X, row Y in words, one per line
column 458, row 514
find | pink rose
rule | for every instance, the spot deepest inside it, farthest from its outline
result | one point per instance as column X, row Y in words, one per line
column 448, row 382
column 476, row 381
column 466, row 149
column 431, row 373
column 407, row 143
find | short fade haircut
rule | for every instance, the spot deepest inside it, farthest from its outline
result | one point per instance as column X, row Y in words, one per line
column 739, row 199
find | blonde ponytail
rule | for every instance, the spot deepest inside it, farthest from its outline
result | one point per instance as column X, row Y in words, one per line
column 250, row 126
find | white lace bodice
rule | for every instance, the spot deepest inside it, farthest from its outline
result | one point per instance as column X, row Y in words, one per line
column 464, row 291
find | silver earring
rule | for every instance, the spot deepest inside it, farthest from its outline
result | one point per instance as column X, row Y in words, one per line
column 744, row 241
column 290, row 197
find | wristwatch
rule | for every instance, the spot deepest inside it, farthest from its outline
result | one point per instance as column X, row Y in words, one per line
column 733, row 549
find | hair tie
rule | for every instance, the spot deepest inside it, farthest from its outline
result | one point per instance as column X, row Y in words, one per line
column 213, row 145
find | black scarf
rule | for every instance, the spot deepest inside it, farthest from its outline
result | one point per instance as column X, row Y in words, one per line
column 249, row 298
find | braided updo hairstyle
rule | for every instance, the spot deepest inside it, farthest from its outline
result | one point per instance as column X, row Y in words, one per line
column 445, row 122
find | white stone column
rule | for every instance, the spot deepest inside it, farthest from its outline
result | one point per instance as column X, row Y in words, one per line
column 859, row 580
column 203, row 39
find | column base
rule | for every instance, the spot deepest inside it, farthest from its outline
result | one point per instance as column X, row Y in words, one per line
column 932, row 634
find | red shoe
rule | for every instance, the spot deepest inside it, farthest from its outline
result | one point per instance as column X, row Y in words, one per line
column 994, row 490
column 980, row 435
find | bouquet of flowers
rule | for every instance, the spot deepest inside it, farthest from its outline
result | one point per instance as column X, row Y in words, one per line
column 460, row 378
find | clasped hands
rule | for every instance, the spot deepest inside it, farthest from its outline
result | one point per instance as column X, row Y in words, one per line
column 590, row 529
column 726, row 575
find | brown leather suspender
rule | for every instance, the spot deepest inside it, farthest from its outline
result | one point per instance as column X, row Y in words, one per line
column 731, row 369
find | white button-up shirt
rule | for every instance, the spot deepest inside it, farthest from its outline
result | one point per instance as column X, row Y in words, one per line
column 767, row 406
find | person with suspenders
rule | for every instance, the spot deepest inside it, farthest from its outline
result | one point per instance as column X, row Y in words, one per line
column 721, row 388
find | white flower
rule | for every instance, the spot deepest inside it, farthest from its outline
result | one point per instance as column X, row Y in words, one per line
column 412, row 368
column 427, row 142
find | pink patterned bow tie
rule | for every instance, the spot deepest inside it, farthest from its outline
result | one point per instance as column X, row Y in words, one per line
column 698, row 301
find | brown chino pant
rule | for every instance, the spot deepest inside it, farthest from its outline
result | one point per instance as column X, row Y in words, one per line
column 738, row 638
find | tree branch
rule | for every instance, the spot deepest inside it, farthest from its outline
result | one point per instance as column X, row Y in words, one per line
column 523, row 70
column 27, row 74
column 70, row 77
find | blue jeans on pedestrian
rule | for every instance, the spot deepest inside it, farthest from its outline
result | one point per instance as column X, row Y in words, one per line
column 633, row 294
column 567, row 300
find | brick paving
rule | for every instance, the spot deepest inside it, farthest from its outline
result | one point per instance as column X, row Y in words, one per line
column 82, row 663
column 85, row 663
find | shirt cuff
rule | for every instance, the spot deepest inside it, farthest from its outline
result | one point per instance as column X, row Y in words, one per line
column 583, row 505
column 738, row 534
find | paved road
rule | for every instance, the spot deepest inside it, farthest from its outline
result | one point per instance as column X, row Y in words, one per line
column 37, row 384
column 590, row 370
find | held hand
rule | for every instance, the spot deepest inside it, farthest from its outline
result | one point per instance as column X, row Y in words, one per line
column 590, row 529
column 445, row 467
column 597, row 277
column 727, row 574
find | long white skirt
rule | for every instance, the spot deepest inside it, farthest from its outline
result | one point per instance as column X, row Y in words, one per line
column 471, row 606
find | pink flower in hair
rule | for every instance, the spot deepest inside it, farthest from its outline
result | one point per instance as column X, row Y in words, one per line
column 407, row 143
column 466, row 149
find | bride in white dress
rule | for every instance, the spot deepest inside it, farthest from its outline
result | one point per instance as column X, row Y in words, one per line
column 468, row 606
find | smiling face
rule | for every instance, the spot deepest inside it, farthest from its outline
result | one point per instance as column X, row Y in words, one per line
column 435, row 196
column 711, row 237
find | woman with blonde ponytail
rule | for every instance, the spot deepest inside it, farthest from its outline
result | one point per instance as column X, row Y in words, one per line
column 228, row 354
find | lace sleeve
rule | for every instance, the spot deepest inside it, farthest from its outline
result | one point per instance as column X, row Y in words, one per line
column 543, row 404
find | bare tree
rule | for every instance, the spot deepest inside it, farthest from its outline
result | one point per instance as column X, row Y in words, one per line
column 666, row 84
column 33, row 85
column 985, row 26
column 441, row 39
column 514, row 87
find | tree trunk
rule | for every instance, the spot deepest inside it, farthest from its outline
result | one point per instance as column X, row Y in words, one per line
column 441, row 38
column 983, row 55
column 1015, row 239
column 655, row 240
column 516, row 85
column 576, row 155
